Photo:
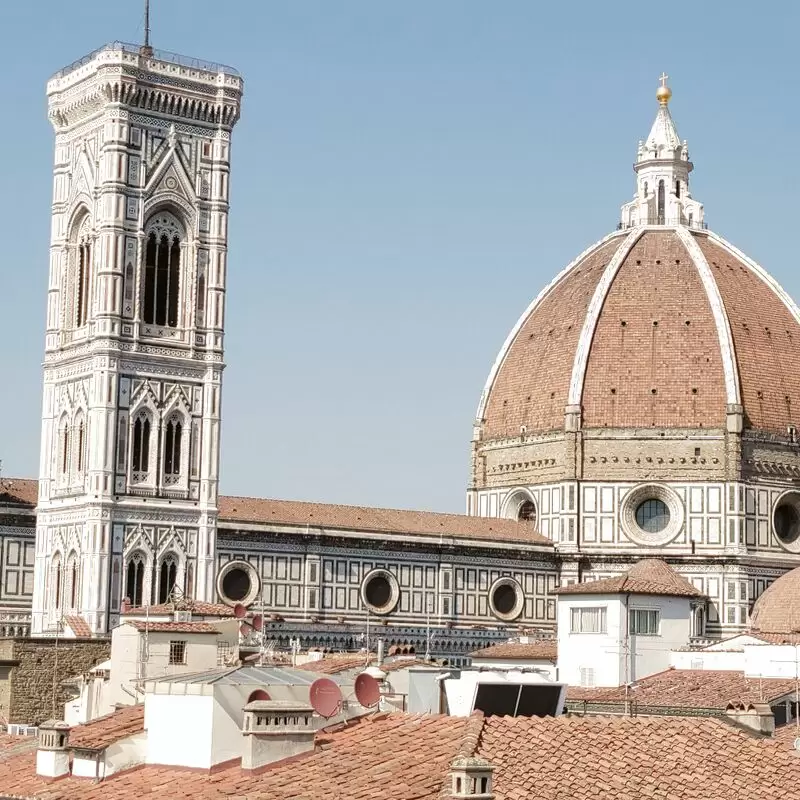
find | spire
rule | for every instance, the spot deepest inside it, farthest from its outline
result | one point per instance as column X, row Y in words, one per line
column 146, row 50
column 662, row 174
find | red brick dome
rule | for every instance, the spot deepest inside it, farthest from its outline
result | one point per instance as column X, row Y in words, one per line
column 655, row 327
column 778, row 608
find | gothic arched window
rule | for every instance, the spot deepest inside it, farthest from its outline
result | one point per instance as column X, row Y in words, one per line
column 167, row 576
column 80, row 439
column 72, row 577
column 173, row 436
column 56, row 576
column 83, row 273
column 162, row 271
column 140, row 446
column 661, row 202
column 63, row 441
column 134, row 579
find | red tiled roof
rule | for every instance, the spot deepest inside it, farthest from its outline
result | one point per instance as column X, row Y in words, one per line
column 689, row 689
column 635, row 758
column 172, row 627
column 11, row 746
column 546, row 650
column 409, row 756
column 379, row 520
column 195, row 606
column 648, row 576
column 333, row 665
column 19, row 491
column 104, row 731
column 355, row 518
column 79, row 626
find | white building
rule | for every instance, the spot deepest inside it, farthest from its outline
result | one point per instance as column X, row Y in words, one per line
column 615, row 631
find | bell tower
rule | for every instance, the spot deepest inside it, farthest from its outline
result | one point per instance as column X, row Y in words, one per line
column 134, row 341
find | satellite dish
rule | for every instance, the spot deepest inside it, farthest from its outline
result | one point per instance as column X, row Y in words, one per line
column 257, row 622
column 325, row 697
column 368, row 692
column 239, row 611
column 258, row 694
column 797, row 743
column 245, row 628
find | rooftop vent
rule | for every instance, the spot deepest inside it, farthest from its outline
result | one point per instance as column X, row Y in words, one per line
column 274, row 730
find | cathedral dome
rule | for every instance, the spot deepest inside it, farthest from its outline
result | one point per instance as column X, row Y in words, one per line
column 661, row 324
column 653, row 327
column 778, row 608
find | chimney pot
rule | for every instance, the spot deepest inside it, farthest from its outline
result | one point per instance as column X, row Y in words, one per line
column 471, row 777
column 52, row 756
column 274, row 730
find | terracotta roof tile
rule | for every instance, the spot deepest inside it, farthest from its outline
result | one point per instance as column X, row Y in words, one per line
column 409, row 756
column 195, row 606
column 19, row 491
column 79, row 626
column 377, row 520
column 104, row 731
column 544, row 650
column 333, row 665
column 648, row 576
column 635, row 758
column 688, row 689
column 172, row 627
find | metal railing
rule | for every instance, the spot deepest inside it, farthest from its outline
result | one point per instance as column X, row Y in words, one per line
column 158, row 55
column 691, row 223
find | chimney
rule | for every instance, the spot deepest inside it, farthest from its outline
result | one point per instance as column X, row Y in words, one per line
column 52, row 756
column 274, row 730
column 756, row 717
column 471, row 777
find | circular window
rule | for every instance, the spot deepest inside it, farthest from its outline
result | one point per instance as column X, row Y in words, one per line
column 380, row 591
column 506, row 599
column 651, row 514
column 238, row 582
column 786, row 521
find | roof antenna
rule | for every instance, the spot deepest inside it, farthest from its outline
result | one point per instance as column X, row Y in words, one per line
column 146, row 50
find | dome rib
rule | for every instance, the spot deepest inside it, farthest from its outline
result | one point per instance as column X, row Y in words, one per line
column 501, row 356
column 593, row 315
column 727, row 349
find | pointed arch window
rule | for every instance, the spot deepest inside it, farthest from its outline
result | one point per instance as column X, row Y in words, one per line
column 72, row 576
column 140, row 447
column 167, row 577
column 134, row 580
column 173, row 438
column 80, row 440
column 57, row 578
column 661, row 201
column 83, row 273
column 162, row 271
column 63, row 439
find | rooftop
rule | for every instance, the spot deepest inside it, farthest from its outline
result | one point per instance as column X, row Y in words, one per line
column 313, row 516
column 546, row 650
column 157, row 55
column 687, row 689
column 409, row 756
column 195, row 606
column 104, row 731
column 649, row 576
column 171, row 627
column 377, row 520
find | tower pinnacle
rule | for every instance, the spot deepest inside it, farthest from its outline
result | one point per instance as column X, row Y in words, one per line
column 662, row 174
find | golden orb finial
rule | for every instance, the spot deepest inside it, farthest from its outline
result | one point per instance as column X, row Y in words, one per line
column 663, row 93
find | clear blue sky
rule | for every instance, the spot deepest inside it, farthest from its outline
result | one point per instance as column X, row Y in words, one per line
column 406, row 177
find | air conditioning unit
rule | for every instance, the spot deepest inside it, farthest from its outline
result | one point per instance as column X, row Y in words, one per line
column 183, row 616
column 22, row 730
